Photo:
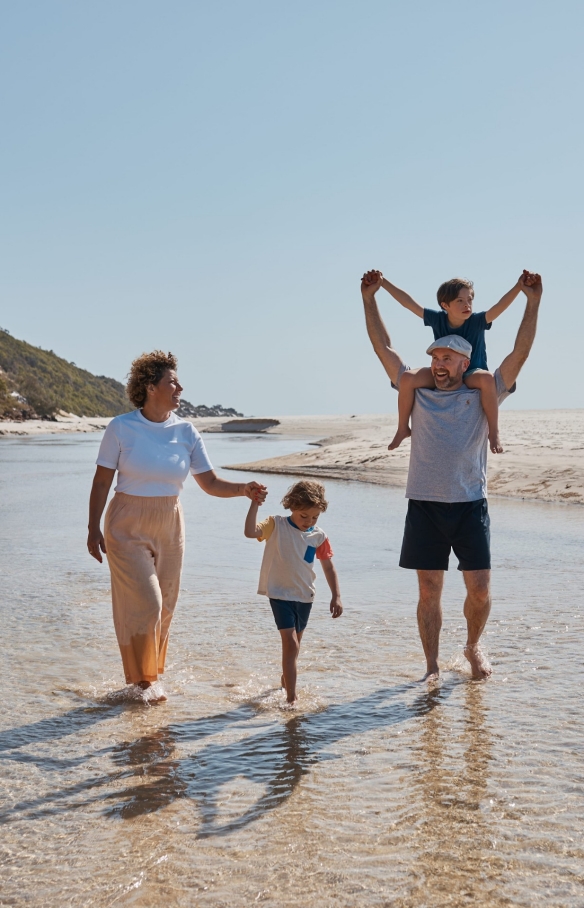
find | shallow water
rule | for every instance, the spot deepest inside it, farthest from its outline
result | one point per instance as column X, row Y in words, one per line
column 376, row 792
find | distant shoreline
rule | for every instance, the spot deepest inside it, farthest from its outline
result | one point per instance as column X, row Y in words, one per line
column 543, row 459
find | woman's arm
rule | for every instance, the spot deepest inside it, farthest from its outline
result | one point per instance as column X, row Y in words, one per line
column 333, row 582
column 210, row 483
column 102, row 482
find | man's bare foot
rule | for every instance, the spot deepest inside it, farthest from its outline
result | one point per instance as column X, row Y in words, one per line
column 495, row 443
column 291, row 704
column 433, row 675
column 480, row 665
column 399, row 436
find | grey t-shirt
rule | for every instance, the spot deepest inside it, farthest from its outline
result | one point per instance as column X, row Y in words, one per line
column 448, row 459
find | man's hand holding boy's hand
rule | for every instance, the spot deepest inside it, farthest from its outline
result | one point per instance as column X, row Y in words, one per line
column 336, row 607
column 371, row 281
column 529, row 279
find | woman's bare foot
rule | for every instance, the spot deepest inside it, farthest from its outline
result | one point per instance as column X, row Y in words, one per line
column 495, row 443
column 399, row 436
column 155, row 692
column 480, row 665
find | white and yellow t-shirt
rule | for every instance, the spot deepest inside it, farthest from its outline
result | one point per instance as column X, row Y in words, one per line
column 287, row 567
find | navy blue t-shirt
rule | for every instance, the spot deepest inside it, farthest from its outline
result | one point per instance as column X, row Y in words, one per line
column 473, row 330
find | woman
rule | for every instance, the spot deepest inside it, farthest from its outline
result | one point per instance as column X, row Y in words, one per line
column 153, row 451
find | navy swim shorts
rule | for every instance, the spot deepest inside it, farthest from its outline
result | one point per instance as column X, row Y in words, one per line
column 290, row 614
column 433, row 528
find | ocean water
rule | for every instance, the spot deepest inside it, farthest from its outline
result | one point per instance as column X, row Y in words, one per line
column 376, row 792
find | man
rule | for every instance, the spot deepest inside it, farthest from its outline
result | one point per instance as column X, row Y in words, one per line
column 447, row 474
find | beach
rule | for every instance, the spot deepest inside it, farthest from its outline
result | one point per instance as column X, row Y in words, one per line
column 376, row 791
column 543, row 457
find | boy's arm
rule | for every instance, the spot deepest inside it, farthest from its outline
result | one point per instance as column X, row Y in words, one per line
column 375, row 277
column 403, row 298
column 251, row 530
column 333, row 582
column 505, row 301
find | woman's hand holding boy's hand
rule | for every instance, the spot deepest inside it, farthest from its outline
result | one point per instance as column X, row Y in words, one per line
column 255, row 491
column 336, row 607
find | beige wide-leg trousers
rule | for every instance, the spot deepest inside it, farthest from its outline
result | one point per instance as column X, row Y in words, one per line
column 144, row 538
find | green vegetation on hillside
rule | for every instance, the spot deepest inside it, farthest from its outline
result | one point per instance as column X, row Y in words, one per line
column 44, row 383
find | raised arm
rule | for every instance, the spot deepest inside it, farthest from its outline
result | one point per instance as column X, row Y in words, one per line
column 380, row 339
column 250, row 530
column 512, row 364
column 403, row 298
column 505, row 301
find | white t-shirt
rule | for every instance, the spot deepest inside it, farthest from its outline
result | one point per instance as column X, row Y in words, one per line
column 287, row 566
column 152, row 458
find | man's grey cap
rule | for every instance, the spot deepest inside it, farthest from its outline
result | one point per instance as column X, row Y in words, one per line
column 452, row 342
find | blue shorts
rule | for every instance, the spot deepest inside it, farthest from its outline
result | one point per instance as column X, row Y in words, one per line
column 289, row 615
column 433, row 528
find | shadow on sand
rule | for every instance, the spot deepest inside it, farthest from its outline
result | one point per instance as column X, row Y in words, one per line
column 276, row 758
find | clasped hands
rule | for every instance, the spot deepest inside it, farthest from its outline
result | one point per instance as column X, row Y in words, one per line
column 255, row 491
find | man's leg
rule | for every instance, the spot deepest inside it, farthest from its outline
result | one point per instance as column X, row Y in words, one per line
column 430, row 618
column 477, row 606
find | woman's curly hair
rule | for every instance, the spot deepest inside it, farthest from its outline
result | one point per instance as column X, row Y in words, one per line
column 305, row 494
column 148, row 369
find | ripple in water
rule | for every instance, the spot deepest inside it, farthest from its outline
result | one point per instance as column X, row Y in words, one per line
column 375, row 791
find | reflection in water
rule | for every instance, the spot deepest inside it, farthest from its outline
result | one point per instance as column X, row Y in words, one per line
column 467, row 795
column 455, row 840
column 276, row 759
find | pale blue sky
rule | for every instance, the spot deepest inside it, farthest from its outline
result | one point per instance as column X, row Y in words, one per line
column 214, row 178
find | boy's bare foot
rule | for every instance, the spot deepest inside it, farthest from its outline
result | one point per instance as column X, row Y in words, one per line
column 399, row 436
column 495, row 443
column 480, row 665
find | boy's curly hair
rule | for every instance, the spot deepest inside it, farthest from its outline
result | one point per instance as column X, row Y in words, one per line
column 305, row 494
column 146, row 370
column 449, row 290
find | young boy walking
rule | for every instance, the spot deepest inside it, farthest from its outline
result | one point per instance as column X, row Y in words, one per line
column 287, row 574
column 455, row 298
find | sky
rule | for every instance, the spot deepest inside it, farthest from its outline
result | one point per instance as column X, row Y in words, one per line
column 213, row 179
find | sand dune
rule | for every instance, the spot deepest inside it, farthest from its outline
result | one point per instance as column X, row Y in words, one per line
column 543, row 459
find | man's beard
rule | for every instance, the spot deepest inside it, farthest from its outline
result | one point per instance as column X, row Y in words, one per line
column 446, row 382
